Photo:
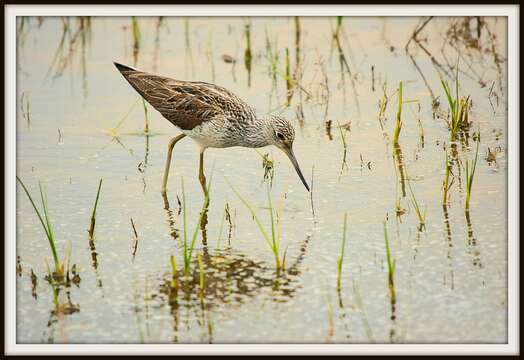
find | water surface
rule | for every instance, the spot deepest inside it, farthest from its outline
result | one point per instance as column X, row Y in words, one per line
column 450, row 277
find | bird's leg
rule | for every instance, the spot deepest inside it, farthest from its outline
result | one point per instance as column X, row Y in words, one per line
column 170, row 147
column 201, row 175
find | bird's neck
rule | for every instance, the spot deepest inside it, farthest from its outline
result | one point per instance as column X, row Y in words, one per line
column 259, row 133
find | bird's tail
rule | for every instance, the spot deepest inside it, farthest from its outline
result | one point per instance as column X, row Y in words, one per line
column 139, row 80
column 151, row 87
column 124, row 68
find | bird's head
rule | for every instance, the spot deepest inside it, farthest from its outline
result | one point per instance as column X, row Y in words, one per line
column 282, row 135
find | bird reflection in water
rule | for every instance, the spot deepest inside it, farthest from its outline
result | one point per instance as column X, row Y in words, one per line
column 231, row 279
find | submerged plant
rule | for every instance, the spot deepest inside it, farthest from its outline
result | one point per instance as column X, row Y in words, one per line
column 174, row 279
column 399, row 210
column 446, row 186
column 135, row 239
column 343, row 133
column 220, row 228
column 62, row 274
column 274, row 241
column 114, row 131
column 382, row 106
column 67, row 47
column 136, row 38
column 297, row 42
column 391, row 267
column 342, row 250
column 339, row 26
column 201, row 274
column 289, row 80
column 269, row 168
column 398, row 124
column 189, row 244
column 91, row 229
column 459, row 109
column 248, row 56
column 146, row 117
column 470, row 174
column 46, row 225
column 225, row 217
column 421, row 216
column 272, row 57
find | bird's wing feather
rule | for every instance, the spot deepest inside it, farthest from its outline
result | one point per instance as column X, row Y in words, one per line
column 186, row 104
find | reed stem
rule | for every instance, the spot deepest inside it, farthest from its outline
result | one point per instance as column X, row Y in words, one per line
column 341, row 257
column 91, row 229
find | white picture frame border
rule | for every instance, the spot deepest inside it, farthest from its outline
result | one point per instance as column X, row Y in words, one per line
column 12, row 11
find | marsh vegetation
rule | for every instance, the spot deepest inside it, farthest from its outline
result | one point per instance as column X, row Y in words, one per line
column 403, row 123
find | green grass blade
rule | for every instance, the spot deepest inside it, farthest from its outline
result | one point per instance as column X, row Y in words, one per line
column 184, row 217
column 146, row 127
column 457, row 86
column 221, row 228
column 46, row 211
column 448, row 97
column 201, row 272
column 398, row 125
column 262, row 230
column 174, row 281
column 421, row 217
column 197, row 227
column 278, row 230
column 342, row 251
column 96, row 199
column 342, row 135
column 271, row 218
column 284, row 259
column 172, row 261
column 49, row 227
column 34, row 207
column 474, row 166
column 470, row 174
column 388, row 254
column 446, row 182
column 399, row 110
column 45, row 225
column 91, row 229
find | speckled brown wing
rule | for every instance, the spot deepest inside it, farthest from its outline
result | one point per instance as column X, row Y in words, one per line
column 186, row 104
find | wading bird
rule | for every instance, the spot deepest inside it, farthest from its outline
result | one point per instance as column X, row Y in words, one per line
column 212, row 116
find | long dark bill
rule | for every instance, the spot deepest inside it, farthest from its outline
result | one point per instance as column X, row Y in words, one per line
column 291, row 156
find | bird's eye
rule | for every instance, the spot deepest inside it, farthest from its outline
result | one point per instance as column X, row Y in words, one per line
column 280, row 136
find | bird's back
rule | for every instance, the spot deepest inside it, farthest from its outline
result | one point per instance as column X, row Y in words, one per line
column 187, row 104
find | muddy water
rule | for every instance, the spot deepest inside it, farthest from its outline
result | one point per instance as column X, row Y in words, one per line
column 450, row 277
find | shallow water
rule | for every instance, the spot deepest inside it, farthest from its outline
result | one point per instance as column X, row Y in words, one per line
column 450, row 278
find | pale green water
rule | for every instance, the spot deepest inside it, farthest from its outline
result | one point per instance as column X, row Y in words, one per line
column 451, row 285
